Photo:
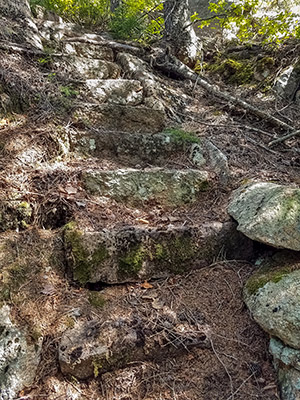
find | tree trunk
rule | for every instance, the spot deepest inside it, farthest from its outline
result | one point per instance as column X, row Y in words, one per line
column 114, row 4
column 179, row 33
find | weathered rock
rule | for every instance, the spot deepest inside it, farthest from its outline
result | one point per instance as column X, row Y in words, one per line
column 114, row 116
column 89, row 50
column 135, row 68
column 206, row 153
column 288, row 82
column 171, row 187
column 287, row 364
column 268, row 213
column 116, row 91
column 96, row 347
column 144, row 149
column 18, row 358
column 87, row 68
column 131, row 254
column 273, row 298
column 16, row 24
column 15, row 215
column 55, row 30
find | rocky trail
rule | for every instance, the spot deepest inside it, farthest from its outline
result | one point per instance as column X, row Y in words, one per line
column 123, row 274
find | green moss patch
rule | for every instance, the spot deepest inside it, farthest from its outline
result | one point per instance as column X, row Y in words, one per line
column 233, row 71
column 82, row 261
column 132, row 262
column 268, row 274
column 180, row 136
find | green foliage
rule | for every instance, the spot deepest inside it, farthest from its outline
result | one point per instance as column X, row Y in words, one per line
column 67, row 91
column 139, row 20
column 84, row 12
column 133, row 19
column 180, row 136
column 267, row 21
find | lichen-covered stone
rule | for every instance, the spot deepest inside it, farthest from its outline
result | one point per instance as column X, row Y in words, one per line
column 18, row 358
column 114, row 116
column 268, row 213
column 89, row 50
column 172, row 187
column 130, row 254
column 273, row 298
column 286, row 361
column 116, row 91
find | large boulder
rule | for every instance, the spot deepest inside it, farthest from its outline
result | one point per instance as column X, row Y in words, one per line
column 19, row 358
column 132, row 253
column 287, row 84
column 268, row 213
column 273, row 298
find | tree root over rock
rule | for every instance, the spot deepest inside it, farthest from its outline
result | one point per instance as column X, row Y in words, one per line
column 174, row 67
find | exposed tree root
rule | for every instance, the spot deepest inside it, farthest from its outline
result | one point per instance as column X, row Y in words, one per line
column 172, row 66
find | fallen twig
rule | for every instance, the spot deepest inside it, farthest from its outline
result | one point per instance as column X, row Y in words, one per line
column 283, row 138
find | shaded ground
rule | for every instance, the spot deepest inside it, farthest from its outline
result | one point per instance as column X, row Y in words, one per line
column 36, row 167
column 235, row 367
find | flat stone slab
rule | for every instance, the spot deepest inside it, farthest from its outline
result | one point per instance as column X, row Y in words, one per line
column 87, row 68
column 95, row 347
column 114, row 116
column 273, row 298
column 133, row 254
column 268, row 213
column 133, row 186
column 116, row 91
column 143, row 149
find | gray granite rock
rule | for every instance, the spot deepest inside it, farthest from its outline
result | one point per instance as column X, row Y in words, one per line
column 268, row 213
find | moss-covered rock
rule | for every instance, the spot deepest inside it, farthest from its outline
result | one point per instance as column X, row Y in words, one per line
column 15, row 215
column 131, row 254
column 272, row 296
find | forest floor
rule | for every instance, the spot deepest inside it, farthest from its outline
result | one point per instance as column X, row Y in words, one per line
column 237, row 365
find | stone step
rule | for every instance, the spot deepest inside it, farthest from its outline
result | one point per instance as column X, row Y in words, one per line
column 132, row 253
column 135, row 186
column 113, row 116
column 116, row 91
column 143, row 149
column 87, row 68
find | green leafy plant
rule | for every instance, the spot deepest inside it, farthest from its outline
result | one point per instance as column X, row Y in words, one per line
column 267, row 21
column 133, row 19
